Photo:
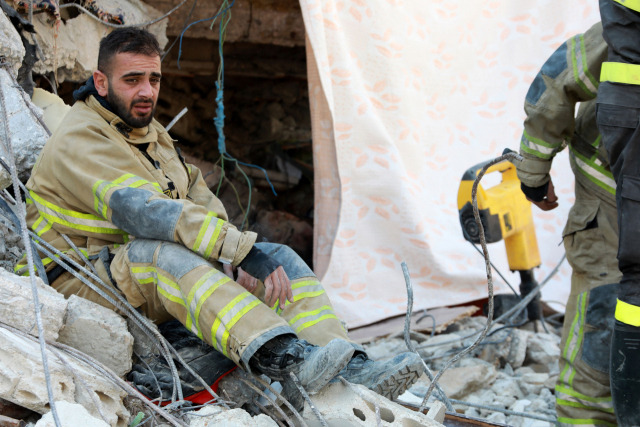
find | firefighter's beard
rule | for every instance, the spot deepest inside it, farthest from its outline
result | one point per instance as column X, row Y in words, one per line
column 125, row 112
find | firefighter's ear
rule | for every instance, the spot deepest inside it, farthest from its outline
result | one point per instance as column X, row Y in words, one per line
column 101, row 82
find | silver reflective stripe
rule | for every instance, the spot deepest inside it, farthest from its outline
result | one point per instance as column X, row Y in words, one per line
column 605, row 181
column 565, row 394
column 201, row 291
column 228, row 316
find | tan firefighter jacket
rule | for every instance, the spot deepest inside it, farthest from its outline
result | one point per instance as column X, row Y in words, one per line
column 570, row 76
column 95, row 182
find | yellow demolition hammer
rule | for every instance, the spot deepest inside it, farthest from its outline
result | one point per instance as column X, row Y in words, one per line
column 505, row 213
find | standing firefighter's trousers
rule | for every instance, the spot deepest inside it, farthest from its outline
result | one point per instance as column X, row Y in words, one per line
column 166, row 280
column 583, row 396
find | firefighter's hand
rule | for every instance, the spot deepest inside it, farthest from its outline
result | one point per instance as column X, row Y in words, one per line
column 246, row 280
column 277, row 288
column 243, row 278
column 549, row 202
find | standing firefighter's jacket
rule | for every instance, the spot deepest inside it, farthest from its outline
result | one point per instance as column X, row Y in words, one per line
column 570, row 76
column 103, row 184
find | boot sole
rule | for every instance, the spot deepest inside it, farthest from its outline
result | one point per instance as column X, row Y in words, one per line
column 394, row 385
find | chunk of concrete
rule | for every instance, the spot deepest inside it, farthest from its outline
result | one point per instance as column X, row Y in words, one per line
column 461, row 381
column 543, row 349
column 17, row 308
column 510, row 348
column 11, row 47
column 341, row 405
column 220, row 417
column 22, row 381
column 72, row 49
column 70, row 414
column 437, row 411
column 99, row 332
column 24, row 132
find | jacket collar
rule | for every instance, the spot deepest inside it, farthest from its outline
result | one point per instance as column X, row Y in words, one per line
column 142, row 135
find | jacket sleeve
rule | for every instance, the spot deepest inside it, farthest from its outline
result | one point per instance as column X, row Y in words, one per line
column 571, row 75
column 108, row 179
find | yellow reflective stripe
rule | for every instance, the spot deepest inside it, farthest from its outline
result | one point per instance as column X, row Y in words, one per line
column 254, row 303
column 213, row 239
column 200, row 292
column 223, row 323
column 618, row 72
column 101, row 187
column 630, row 4
column 600, row 176
column 627, row 313
column 310, row 318
column 145, row 274
column 590, row 422
column 170, row 290
column 572, row 345
column 581, row 74
column 73, row 219
column 41, row 226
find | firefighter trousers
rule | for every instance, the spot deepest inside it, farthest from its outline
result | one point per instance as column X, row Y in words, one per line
column 166, row 280
column 583, row 395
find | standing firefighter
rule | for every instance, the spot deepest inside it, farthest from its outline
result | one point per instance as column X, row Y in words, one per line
column 111, row 179
column 618, row 116
column 569, row 76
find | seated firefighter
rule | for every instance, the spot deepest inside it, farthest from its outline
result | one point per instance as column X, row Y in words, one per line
column 111, row 179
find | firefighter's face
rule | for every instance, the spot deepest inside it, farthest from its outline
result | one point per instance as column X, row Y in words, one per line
column 131, row 86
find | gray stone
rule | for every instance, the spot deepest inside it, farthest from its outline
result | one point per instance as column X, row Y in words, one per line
column 22, row 381
column 497, row 417
column 532, row 383
column 26, row 135
column 17, row 308
column 11, row 47
column 98, row 332
column 507, row 387
column 70, row 414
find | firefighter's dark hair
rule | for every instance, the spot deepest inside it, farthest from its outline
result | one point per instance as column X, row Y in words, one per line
column 129, row 39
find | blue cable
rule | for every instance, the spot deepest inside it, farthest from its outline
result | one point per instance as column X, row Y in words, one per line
column 218, row 120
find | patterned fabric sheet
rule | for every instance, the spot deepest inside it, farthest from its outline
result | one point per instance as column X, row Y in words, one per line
column 406, row 96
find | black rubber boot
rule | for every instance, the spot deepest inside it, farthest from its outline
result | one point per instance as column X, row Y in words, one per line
column 389, row 378
column 314, row 366
column 625, row 374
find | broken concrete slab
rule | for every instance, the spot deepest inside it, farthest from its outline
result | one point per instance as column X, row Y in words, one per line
column 70, row 414
column 220, row 417
column 23, row 130
column 11, row 47
column 341, row 405
column 17, row 309
column 98, row 332
column 22, row 381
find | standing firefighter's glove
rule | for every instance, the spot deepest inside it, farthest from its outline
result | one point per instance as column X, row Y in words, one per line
column 535, row 194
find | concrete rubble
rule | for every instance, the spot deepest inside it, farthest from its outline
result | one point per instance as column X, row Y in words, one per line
column 69, row 47
column 26, row 134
